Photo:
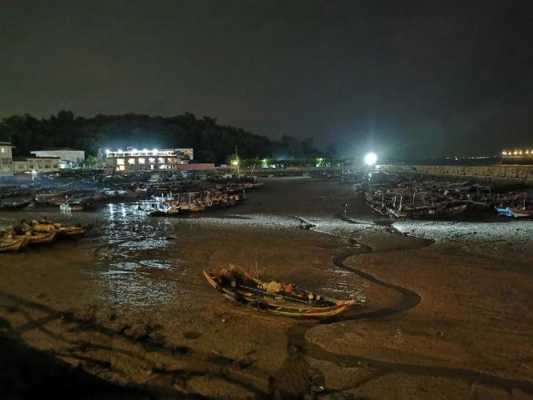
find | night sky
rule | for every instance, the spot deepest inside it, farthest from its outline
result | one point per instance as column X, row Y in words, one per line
column 400, row 77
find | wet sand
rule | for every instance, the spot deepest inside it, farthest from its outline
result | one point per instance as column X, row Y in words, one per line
column 446, row 312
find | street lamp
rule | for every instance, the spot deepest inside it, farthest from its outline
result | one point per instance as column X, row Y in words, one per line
column 236, row 163
column 371, row 159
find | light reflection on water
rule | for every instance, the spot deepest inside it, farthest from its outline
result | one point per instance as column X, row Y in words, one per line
column 128, row 259
column 134, row 271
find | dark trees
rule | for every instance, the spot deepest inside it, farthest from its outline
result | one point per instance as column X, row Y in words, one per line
column 212, row 142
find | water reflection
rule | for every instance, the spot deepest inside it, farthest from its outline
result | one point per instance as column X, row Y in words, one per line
column 130, row 258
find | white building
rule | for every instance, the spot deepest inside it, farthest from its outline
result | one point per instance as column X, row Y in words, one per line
column 34, row 164
column 68, row 158
column 147, row 160
column 6, row 159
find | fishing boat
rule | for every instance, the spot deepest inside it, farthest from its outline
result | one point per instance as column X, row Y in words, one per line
column 71, row 232
column 14, row 205
column 274, row 297
column 61, row 231
column 40, row 237
column 514, row 212
column 50, row 199
column 13, row 244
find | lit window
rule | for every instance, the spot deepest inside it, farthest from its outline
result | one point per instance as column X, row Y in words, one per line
column 120, row 161
column 152, row 160
column 131, row 161
column 3, row 149
column 141, row 160
column 161, row 160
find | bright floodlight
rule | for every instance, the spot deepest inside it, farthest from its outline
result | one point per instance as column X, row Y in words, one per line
column 371, row 159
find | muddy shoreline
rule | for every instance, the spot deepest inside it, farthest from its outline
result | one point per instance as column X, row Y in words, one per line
column 128, row 305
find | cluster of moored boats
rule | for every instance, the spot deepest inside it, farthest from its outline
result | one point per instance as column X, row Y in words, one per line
column 65, row 199
column 37, row 232
column 196, row 202
column 437, row 199
column 70, row 198
column 277, row 298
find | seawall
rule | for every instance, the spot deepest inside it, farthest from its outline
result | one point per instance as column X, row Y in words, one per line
column 500, row 172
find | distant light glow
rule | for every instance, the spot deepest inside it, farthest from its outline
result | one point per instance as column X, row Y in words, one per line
column 371, row 159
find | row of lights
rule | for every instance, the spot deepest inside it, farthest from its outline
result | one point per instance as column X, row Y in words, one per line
column 517, row 152
column 134, row 151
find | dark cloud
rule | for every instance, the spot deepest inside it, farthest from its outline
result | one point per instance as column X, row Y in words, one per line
column 404, row 77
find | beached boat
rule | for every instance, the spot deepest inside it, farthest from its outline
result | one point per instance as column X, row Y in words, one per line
column 40, row 237
column 13, row 244
column 50, row 199
column 14, row 205
column 71, row 232
column 274, row 297
column 61, row 231
column 514, row 212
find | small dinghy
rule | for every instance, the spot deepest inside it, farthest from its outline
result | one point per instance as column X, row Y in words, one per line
column 14, row 205
column 13, row 244
column 61, row 231
column 71, row 232
column 274, row 297
column 41, row 237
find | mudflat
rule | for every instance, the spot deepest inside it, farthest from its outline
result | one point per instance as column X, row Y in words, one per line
column 445, row 307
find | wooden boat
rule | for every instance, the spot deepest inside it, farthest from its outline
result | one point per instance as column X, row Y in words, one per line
column 514, row 212
column 296, row 303
column 13, row 244
column 61, row 231
column 14, row 205
column 71, row 232
column 40, row 237
column 50, row 199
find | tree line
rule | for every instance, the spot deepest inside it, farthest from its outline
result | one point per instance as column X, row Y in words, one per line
column 212, row 142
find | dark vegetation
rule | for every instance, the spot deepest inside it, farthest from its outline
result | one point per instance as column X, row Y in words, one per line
column 211, row 141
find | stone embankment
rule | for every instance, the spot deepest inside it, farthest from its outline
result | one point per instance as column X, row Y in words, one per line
column 496, row 173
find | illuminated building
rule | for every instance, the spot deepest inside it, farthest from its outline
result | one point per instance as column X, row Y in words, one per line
column 132, row 159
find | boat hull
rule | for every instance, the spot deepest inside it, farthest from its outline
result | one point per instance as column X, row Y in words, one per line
column 13, row 245
column 272, row 305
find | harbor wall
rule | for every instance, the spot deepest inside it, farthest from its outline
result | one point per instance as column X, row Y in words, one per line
column 499, row 172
